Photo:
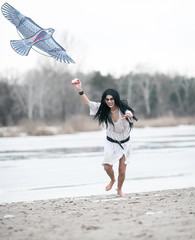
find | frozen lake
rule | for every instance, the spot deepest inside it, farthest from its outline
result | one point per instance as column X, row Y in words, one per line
column 46, row 167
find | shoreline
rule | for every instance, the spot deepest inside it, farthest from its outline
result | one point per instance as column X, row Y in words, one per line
column 165, row 214
column 86, row 191
column 37, row 128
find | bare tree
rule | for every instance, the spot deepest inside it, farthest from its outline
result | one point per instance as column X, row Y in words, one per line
column 145, row 86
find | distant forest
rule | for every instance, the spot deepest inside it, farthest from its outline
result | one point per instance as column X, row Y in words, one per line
column 47, row 95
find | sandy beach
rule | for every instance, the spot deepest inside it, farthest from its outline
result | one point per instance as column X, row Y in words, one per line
column 167, row 214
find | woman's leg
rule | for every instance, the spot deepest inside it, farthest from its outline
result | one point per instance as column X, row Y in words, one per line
column 121, row 176
column 109, row 170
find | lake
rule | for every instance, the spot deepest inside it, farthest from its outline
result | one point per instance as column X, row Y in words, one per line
column 47, row 167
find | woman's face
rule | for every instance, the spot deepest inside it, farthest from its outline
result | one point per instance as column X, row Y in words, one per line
column 109, row 100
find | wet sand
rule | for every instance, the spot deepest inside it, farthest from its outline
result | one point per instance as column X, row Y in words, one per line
column 168, row 214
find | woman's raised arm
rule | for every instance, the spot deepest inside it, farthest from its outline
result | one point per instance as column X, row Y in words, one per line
column 84, row 97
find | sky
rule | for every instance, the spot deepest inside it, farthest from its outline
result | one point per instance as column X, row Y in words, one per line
column 110, row 36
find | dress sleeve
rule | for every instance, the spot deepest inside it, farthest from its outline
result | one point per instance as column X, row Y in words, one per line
column 130, row 119
column 93, row 107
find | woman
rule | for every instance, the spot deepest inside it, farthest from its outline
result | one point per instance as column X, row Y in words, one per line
column 117, row 116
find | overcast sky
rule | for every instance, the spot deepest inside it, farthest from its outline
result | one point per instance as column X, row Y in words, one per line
column 112, row 36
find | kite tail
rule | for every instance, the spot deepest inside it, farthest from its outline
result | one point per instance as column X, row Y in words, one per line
column 20, row 47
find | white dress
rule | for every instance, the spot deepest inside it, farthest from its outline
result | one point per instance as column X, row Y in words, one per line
column 120, row 131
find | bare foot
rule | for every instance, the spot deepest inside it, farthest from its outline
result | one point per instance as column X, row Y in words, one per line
column 120, row 193
column 109, row 186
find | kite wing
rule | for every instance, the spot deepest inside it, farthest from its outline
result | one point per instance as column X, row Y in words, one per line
column 56, row 51
column 24, row 24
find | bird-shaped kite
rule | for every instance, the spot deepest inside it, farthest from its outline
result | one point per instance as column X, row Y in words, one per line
column 34, row 36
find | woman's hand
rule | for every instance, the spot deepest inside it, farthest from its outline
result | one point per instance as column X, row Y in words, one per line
column 127, row 115
column 79, row 86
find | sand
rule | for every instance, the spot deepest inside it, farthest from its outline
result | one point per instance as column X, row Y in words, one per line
column 168, row 214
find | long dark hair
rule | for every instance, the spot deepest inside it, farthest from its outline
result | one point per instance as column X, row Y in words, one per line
column 103, row 113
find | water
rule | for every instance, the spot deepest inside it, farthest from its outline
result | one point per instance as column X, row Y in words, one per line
column 46, row 167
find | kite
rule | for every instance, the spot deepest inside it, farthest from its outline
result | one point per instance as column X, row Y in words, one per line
column 33, row 35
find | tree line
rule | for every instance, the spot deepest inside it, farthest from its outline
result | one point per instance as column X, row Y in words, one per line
column 46, row 94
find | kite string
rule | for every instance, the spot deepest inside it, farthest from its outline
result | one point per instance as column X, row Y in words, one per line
column 32, row 47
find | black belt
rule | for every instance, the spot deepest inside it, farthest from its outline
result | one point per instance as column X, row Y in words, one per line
column 119, row 142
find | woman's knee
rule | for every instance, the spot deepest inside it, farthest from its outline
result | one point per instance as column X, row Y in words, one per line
column 122, row 172
column 107, row 167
